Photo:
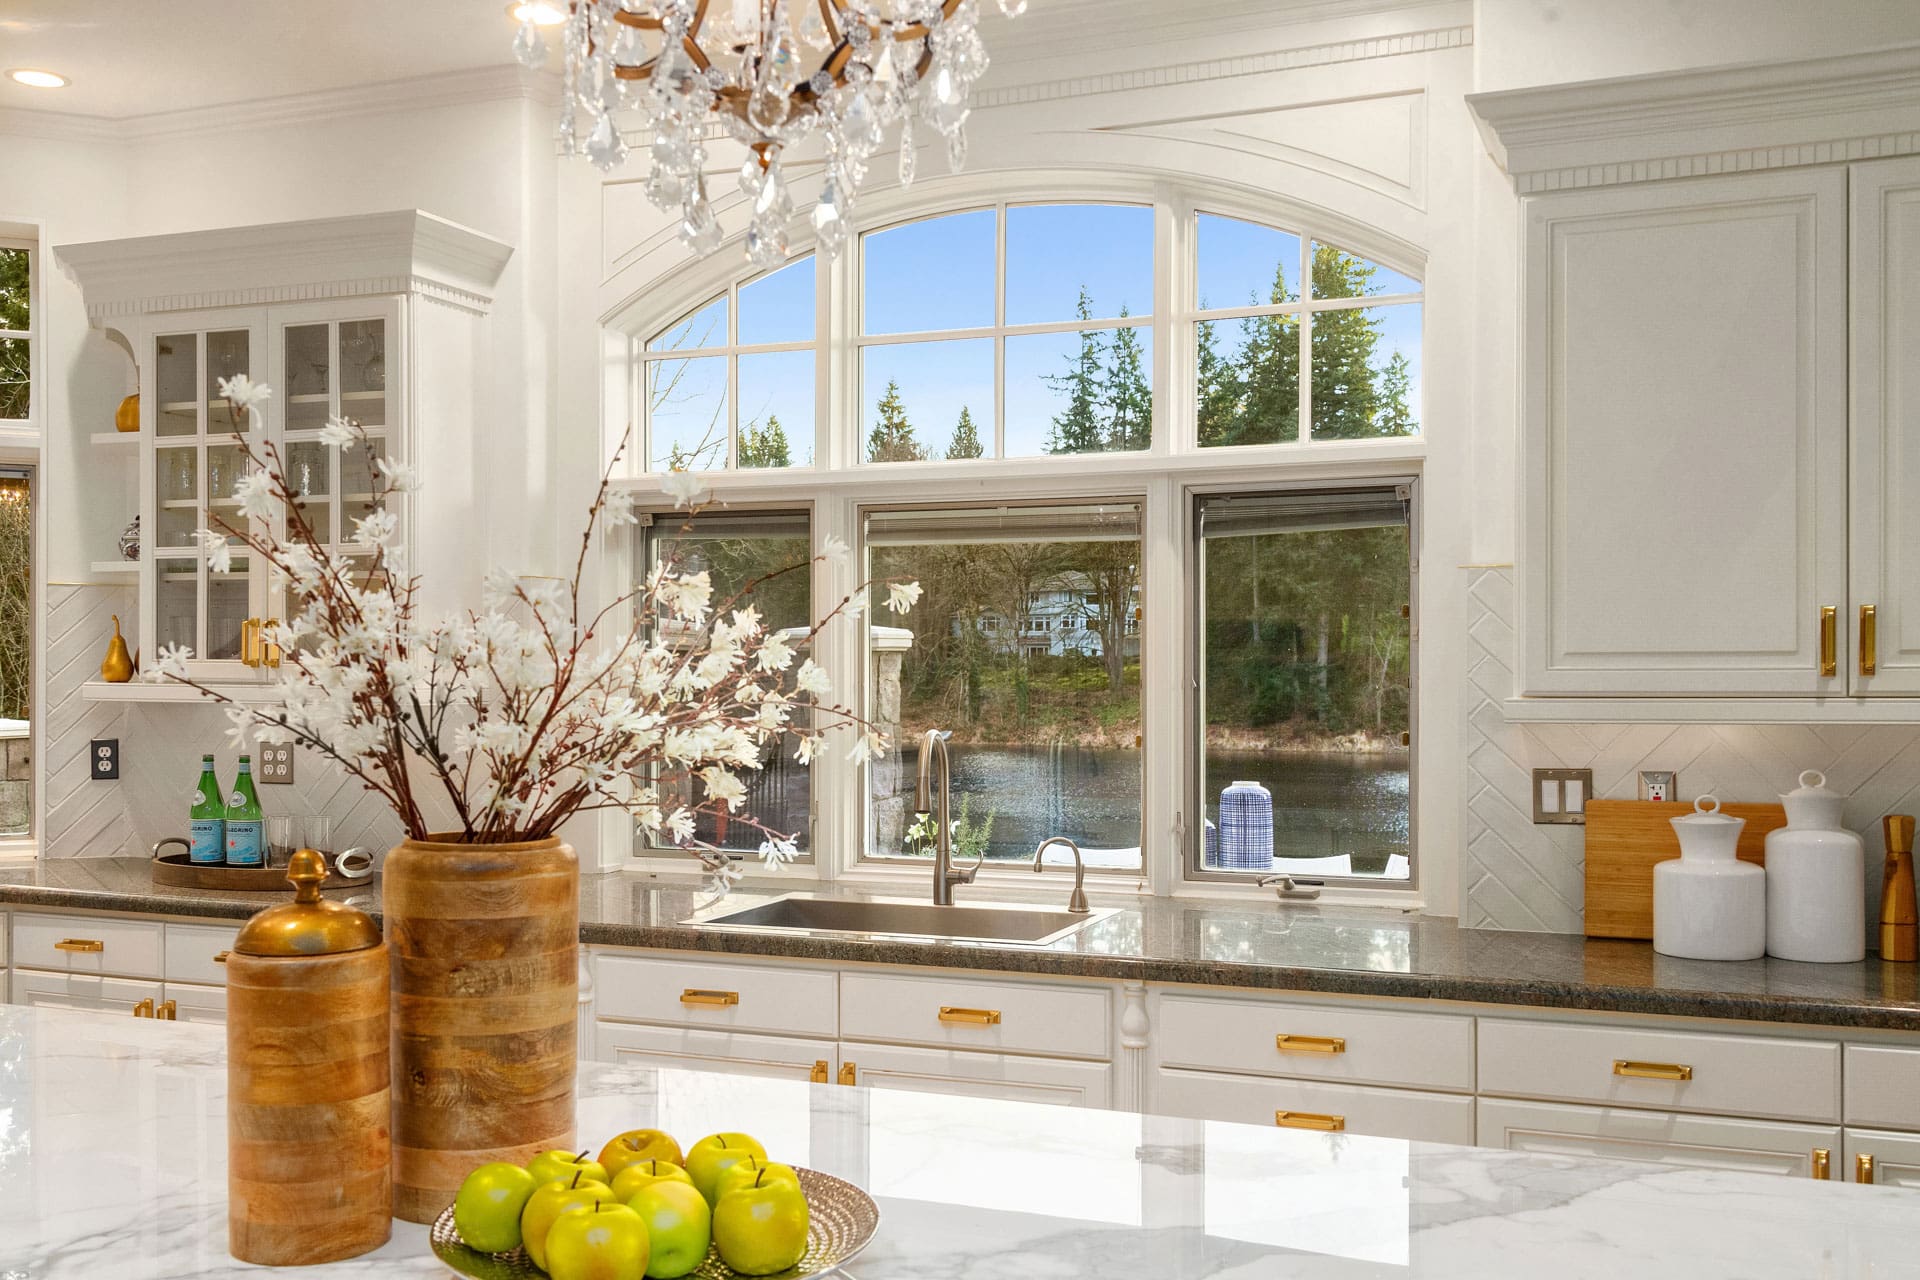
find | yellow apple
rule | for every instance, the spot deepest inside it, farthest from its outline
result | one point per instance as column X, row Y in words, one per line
column 716, row 1152
column 548, row 1202
column 628, row 1182
column 748, row 1173
column 605, row 1242
column 549, row 1165
column 487, row 1209
column 761, row 1229
column 636, row 1145
column 679, row 1227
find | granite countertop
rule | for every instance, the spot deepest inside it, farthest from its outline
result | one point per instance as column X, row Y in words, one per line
column 1259, row 944
column 113, row 1160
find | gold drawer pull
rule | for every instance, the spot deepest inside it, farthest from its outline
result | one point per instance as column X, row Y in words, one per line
column 718, row 999
column 1829, row 640
column 1310, row 1044
column 849, row 1074
column 1822, row 1164
column 144, row 1009
column 819, row 1073
column 168, row 1010
column 79, row 944
column 1863, row 1168
column 1310, row 1120
column 1652, row 1070
column 221, row 958
column 1869, row 649
column 972, row 1017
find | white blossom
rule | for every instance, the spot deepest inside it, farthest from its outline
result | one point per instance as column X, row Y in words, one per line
column 243, row 393
column 240, row 724
column 255, row 492
column 835, row 548
column 685, row 488
column 171, row 663
column 807, row 748
column 340, row 433
column 776, row 852
column 812, row 678
column 219, row 551
column 399, row 477
column 376, row 529
column 902, row 596
column 776, row 653
column 616, row 508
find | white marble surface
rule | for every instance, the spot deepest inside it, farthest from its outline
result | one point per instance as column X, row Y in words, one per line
column 113, row 1167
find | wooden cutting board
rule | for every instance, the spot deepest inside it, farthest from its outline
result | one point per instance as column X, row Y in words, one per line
column 1626, row 837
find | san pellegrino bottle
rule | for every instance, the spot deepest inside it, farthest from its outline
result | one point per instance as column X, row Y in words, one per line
column 208, row 819
column 246, row 836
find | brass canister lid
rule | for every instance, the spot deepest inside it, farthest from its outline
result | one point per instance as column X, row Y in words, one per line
column 309, row 925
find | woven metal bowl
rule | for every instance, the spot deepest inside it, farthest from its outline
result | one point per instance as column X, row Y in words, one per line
column 841, row 1219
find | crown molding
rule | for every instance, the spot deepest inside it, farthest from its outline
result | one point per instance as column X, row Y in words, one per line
column 1094, row 26
column 404, row 251
column 1723, row 119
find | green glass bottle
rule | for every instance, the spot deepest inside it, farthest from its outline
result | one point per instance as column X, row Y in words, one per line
column 246, row 834
column 207, row 821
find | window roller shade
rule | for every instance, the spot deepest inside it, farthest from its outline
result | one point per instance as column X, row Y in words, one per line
column 673, row 526
column 1307, row 511
column 1104, row 522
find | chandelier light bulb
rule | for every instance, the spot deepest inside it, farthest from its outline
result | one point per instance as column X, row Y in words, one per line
column 540, row 13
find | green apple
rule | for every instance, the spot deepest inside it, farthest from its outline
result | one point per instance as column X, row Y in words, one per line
column 748, row 1173
column 679, row 1227
column 628, row 1182
column 605, row 1242
column 488, row 1206
column 761, row 1228
column 716, row 1152
column 636, row 1145
column 548, row 1202
column 549, row 1165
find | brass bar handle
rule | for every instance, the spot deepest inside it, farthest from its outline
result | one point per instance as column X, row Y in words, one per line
column 144, row 1009
column 849, row 1073
column 1869, row 640
column 1310, row 1044
column 819, row 1073
column 80, row 944
column 1822, row 1164
column 1829, row 640
column 715, row 999
column 249, row 643
column 168, row 1010
column 971, row 1017
column 1652, row 1070
column 269, row 652
column 221, row 957
column 1310, row 1120
column 1863, row 1168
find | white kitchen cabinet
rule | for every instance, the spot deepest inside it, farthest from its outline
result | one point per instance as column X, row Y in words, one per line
column 784, row 1057
column 1881, row 1157
column 1663, row 1137
column 82, row 991
column 1015, row 1077
column 194, row 1002
column 1684, row 410
column 1412, row 1114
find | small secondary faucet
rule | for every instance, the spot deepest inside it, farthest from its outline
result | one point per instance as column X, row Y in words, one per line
column 1077, row 902
column 933, row 793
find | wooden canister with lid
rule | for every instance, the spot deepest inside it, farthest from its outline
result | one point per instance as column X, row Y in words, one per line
column 309, row 1093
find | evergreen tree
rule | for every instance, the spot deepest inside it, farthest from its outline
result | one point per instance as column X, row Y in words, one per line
column 1269, row 364
column 1396, row 415
column 1077, row 428
column 966, row 438
column 1346, row 403
column 765, row 445
column 15, row 376
column 1219, row 387
column 892, row 439
column 1129, row 395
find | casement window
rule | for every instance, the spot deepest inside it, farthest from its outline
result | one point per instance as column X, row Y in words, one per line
column 17, row 328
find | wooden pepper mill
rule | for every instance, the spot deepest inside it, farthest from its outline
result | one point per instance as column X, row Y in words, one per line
column 1899, row 916
column 309, row 1093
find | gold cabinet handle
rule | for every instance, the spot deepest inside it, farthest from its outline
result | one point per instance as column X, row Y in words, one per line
column 1822, row 1164
column 1869, row 647
column 1652, row 1070
column 971, row 1017
column 144, row 1009
column 717, row 999
column 221, row 957
column 1310, row 1044
column 80, row 944
column 819, row 1073
column 1310, row 1120
column 1863, row 1168
column 250, row 642
column 269, row 652
column 168, row 1010
column 849, row 1073
column 1829, row 640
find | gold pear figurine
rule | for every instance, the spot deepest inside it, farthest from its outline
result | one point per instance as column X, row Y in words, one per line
column 117, row 667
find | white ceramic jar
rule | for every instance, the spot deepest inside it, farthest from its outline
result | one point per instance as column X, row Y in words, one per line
column 1707, row 904
column 1816, row 880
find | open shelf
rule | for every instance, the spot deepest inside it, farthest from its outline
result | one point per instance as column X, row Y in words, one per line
column 117, row 439
column 115, row 568
column 138, row 690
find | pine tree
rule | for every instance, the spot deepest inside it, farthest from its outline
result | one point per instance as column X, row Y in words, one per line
column 892, row 439
column 1077, row 428
column 1396, row 415
column 966, row 438
column 1346, row 403
column 1269, row 362
column 1129, row 395
column 765, row 445
column 1218, row 385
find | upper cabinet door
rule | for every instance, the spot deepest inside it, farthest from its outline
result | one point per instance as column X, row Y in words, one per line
column 1684, row 436
column 1884, row 645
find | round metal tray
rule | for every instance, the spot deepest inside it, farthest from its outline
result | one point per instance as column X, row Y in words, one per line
column 841, row 1219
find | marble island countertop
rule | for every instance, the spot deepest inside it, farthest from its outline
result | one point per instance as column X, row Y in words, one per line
column 1254, row 944
column 113, row 1165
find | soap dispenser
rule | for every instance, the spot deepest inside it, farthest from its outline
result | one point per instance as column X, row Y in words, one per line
column 1816, row 879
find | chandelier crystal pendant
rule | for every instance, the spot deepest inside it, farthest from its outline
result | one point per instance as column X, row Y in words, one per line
column 668, row 74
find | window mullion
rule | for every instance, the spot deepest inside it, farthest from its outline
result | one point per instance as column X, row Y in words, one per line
column 1305, row 432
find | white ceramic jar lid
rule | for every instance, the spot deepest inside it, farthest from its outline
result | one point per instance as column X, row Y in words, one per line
column 1706, row 813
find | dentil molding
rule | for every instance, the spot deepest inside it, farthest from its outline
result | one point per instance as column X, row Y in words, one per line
column 1721, row 120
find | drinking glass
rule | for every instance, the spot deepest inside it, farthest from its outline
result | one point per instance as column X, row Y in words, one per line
column 320, row 835
column 281, row 840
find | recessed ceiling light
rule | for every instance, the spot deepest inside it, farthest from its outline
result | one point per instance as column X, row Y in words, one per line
column 34, row 79
column 541, row 13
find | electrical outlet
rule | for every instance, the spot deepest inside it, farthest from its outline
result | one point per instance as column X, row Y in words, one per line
column 1659, row 784
column 276, row 762
column 1560, row 796
column 105, row 754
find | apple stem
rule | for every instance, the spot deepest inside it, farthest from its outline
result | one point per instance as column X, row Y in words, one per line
column 577, row 1175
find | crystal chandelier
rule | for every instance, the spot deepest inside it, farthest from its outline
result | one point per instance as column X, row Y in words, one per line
column 669, row 73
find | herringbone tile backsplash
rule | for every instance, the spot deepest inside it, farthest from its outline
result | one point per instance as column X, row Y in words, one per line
column 1515, row 875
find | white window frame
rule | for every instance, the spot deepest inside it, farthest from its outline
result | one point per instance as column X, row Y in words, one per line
column 1164, row 479
column 15, row 427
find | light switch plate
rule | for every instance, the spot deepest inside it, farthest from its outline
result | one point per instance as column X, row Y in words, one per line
column 105, row 754
column 1659, row 784
column 1560, row 796
column 276, row 762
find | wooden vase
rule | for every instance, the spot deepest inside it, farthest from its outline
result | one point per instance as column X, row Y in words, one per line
column 484, row 942
column 309, row 1162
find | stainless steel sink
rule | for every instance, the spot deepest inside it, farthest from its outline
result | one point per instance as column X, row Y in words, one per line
column 896, row 918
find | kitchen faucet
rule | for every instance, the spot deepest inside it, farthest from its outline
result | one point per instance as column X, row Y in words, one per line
column 933, row 758
column 1077, row 902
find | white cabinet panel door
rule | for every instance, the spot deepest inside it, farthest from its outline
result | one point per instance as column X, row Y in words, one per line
column 980, row 1075
column 1885, row 360
column 81, row 991
column 1684, row 435
column 1890, row 1159
column 784, row 1057
column 1702, row 1142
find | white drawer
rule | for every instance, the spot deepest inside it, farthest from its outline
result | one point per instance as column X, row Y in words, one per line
column 195, row 1003
column 1883, row 1086
column 690, row 1050
column 715, row 996
column 1005, row 1076
column 1694, row 1142
column 1383, row 1113
column 191, row 950
column 962, row 1013
column 81, row 991
column 1731, row 1075
column 129, row 947
column 1315, row 1041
